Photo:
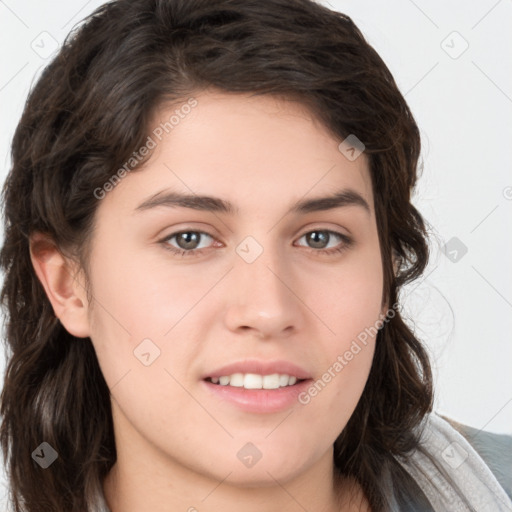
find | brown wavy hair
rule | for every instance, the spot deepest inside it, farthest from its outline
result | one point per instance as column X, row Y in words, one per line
column 88, row 112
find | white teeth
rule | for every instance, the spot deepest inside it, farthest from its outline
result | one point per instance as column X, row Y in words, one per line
column 283, row 380
column 255, row 381
column 271, row 381
column 237, row 380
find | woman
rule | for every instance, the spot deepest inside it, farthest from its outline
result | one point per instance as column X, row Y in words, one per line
column 208, row 222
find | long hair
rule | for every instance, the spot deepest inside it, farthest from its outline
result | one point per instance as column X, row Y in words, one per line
column 86, row 115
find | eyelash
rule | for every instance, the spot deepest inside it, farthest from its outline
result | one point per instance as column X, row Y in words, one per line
column 347, row 242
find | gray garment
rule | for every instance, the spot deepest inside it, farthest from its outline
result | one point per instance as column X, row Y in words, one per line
column 455, row 469
column 494, row 449
column 452, row 476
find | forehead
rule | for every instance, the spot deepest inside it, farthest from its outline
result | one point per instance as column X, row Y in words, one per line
column 255, row 151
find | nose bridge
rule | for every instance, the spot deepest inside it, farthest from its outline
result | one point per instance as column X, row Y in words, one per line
column 260, row 296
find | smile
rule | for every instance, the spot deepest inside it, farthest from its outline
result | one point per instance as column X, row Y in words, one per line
column 255, row 381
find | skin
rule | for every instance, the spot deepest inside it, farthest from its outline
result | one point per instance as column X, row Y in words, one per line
column 177, row 446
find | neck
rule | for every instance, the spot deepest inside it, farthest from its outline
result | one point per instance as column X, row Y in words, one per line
column 146, row 478
column 127, row 491
column 133, row 486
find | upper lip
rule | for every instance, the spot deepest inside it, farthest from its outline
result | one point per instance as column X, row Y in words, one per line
column 260, row 368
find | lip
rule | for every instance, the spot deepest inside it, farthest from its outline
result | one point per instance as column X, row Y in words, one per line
column 258, row 401
column 260, row 368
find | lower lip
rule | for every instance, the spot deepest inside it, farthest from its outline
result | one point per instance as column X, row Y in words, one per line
column 259, row 400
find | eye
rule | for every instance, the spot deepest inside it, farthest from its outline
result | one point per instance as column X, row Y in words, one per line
column 319, row 241
column 187, row 241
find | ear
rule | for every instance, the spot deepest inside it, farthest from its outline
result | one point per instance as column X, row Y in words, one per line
column 62, row 285
column 395, row 259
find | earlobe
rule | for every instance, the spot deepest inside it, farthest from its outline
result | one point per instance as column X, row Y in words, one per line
column 396, row 262
column 61, row 283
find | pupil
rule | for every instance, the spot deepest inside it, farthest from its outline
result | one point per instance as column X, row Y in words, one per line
column 315, row 236
column 188, row 237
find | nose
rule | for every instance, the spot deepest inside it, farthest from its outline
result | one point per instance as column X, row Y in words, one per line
column 264, row 297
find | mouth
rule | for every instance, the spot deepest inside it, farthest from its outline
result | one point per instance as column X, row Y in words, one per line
column 257, row 386
column 256, row 381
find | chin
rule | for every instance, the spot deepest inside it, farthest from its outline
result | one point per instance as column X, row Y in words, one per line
column 264, row 476
column 275, row 465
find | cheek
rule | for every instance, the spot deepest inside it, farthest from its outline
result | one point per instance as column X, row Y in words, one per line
column 144, row 288
column 348, row 298
column 330, row 400
column 349, row 305
column 143, row 312
column 134, row 297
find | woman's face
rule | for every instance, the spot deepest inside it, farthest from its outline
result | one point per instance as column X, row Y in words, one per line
column 265, row 298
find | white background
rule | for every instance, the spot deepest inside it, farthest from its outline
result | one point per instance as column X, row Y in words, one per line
column 462, row 309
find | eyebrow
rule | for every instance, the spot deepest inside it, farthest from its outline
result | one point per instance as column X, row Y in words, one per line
column 172, row 199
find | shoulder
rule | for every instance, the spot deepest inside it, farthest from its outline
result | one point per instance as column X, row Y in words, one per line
column 494, row 449
column 461, row 468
